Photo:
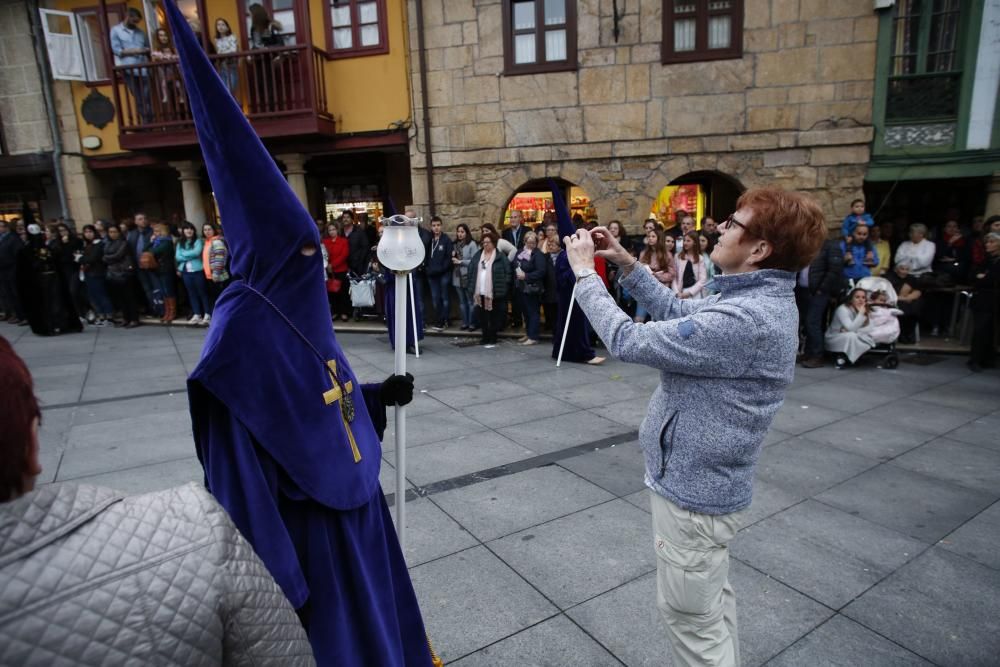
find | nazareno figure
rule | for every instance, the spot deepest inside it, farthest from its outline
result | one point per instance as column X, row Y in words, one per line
column 288, row 437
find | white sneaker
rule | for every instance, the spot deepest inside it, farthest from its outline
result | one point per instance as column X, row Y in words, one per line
column 195, row 319
column 207, row 320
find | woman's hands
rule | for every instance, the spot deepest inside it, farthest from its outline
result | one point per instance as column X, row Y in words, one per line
column 584, row 245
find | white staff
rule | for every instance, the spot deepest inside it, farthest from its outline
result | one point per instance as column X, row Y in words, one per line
column 401, row 250
column 413, row 314
column 569, row 314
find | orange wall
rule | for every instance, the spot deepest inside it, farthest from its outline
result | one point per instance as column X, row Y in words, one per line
column 364, row 93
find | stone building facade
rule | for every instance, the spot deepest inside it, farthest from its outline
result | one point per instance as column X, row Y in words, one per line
column 795, row 110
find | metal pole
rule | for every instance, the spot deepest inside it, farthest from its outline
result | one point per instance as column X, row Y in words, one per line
column 400, row 369
column 413, row 306
column 569, row 314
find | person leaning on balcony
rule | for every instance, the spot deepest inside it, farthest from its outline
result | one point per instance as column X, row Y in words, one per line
column 225, row 44
column 130, row 46
column 265, row 33
column 734, row 351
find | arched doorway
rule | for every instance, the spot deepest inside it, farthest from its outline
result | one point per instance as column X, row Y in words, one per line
column 534, row 198
column 697, row 193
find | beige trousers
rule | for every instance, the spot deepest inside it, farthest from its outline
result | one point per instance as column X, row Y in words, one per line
column 692, row 581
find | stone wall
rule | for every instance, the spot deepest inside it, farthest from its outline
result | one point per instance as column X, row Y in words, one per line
column 22, row 107
column 795, row 110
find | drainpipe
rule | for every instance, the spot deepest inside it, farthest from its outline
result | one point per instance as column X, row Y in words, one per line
column 428, row 152
column 41, row 58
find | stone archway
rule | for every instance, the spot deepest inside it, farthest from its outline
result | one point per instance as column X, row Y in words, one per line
column 520, row 198
column 716, row 195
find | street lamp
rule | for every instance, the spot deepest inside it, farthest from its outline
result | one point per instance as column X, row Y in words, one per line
column 400, row 250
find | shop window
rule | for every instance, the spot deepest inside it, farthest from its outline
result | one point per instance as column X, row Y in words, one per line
column 539, row 36
column 356, row 28
column 925, row 74
column 697, row 30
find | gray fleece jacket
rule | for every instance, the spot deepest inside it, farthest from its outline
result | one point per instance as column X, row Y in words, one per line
column 724, row 362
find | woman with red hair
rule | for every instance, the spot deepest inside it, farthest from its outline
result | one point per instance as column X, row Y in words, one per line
column 733, row 351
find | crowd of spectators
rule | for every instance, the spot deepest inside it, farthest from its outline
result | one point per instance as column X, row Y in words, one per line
column 923, row 273
column 57, row 280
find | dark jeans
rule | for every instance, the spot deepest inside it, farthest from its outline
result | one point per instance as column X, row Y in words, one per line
column 214, row 290
column 492, row 320
column 465, row 306
column 340, row 302
column 9, row 301
column 194, row 282
column 122, row 292
column 97, row 290
column 440, row 286
column 532, row 316
column 141, row 90
column 150, row 281
column 815, row 312
column 551, row 311
column 516, row 316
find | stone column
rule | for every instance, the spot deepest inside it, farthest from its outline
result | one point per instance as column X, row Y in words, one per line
column 295, row 172
column 194, row 207
column 993, row 195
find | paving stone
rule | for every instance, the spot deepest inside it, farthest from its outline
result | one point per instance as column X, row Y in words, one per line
column 774, row 436
column 831, row 395
column 508, row 504
column 952, row 396
column 557, row 641
column 823, row 552
column 869, row 436
column 593, row 394
column 841, row 642
column 97, row 458
column 430, row 533
column 149, row 478
column 629, row 413
column 531, row 408
column 917, row 505
column 793, row 418
column 471, row 599
column 978, row 539
column 132, row 429
column 485, row 391
column 959, row 462
column 932, row 419
column 562, row 431
column 941, row 606
column 135, row 385
column 984, row 431
column 519, row 370
column 120, row 408
column 387, row 478
column 769, row 499
column 640, row 499
column 459, row 456
column 619, row 469
column 803, row 467
column 441, row 424
column 560, row 560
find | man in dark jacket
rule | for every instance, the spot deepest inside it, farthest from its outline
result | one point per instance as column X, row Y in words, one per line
column 815, row 285
column 9, row 303
column 439, row 271
column 357, row 243
column 515, row 236
column 138, row 243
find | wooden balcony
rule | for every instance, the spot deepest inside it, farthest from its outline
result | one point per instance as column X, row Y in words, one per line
column 281, row 90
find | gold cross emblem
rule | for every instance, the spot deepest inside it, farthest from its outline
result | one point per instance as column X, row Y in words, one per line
column 342, row 395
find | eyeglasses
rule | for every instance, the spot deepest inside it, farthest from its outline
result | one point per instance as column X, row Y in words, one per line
column 730, row 221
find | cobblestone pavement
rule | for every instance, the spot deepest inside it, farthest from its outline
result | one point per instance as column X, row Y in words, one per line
column 873, row 539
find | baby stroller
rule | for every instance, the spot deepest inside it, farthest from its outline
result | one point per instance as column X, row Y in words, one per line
column 362, row 294
column 886, row 342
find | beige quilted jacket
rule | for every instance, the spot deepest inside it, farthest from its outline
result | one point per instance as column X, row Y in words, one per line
column 90, row 577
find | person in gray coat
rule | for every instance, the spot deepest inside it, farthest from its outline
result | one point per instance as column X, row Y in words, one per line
column 91, row 577
column 725, row 363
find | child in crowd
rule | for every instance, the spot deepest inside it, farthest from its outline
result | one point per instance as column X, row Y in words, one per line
column 859, row 254
column 882, row 318
column 857, row 215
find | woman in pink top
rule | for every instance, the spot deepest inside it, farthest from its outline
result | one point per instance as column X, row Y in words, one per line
column 691, row 274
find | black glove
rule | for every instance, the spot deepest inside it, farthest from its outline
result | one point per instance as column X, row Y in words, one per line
column 396, row 390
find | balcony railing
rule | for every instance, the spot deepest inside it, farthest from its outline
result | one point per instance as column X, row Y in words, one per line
column 281, row 90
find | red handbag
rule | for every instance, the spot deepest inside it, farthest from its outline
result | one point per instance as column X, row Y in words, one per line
column 334, row 285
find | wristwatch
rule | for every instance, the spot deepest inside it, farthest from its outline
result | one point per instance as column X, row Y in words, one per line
column 584, row 273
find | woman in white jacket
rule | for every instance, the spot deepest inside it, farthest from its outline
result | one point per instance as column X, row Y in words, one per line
column 918, row 252
column 850, row 331
column 691, row 274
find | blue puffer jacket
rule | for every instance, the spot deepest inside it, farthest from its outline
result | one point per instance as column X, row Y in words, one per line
column 724, row 362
